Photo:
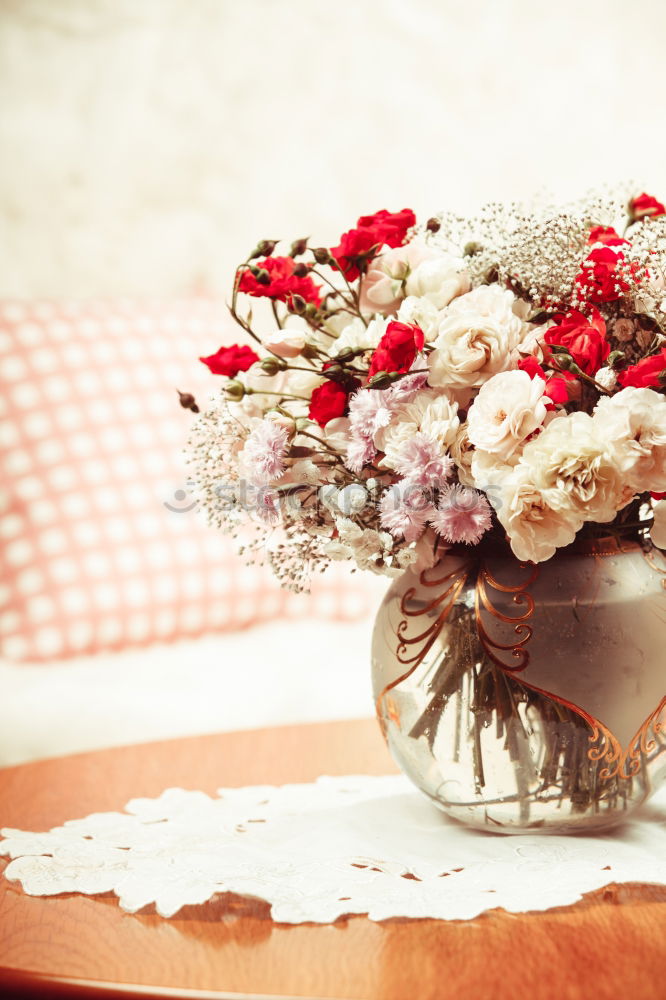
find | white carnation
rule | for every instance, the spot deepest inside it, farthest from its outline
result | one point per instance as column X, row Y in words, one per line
column 577, row 467
column 606, row 377
column 430, row 412
column 534, row 527
column 357, row 336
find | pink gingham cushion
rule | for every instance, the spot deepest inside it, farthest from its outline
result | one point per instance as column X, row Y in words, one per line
column 102, row 546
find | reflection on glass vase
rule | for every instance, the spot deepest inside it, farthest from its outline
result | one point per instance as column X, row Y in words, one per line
column 528, row 698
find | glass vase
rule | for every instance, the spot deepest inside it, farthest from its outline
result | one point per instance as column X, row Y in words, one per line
column 525, row 698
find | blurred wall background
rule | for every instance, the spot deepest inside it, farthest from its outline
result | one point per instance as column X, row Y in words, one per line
column 147, row 144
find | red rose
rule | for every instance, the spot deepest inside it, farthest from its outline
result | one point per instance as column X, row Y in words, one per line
column 327, row 402
column 231, row 360
column 645, row 374
column 283, row 283
column 397, row 349
column 603, row 275
column 371, row 233
column 556, row 385
column 645, row 205
column 584, row 339
column 606, row 235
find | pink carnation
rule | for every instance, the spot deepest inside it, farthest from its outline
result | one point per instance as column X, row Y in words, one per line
column 268, row 506
column 424, row 462
column 462, row 515
column 404, row 511
column 406, row 388
column 360, row 451
column 369, row 411
column 264, row 452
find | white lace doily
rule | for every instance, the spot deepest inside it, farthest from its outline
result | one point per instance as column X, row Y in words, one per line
column 317, row 851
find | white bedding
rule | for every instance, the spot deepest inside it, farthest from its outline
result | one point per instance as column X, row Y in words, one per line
column 268, row 675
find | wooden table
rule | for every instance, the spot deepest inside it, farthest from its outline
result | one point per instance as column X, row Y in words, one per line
column 612, row 944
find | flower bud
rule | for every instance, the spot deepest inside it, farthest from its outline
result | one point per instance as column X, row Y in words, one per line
column 322, row 255
column 301, row 270
column 235, row 390
column 310, row 352
column 187, row 401
column 344, row 357
column 433, row 225
column 297, row 304
column 566, row 363
column 310, row 310
column 298, row 247
column 263, row 277
column 264, row 248
column 472, row 248
column 272, row 365
column 382, row 380
column 615, row 359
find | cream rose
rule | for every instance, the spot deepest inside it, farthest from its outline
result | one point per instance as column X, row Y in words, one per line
column 508, row 409
column 478, row 333
column 635, row 420
column 438, row 279
column 383, row 287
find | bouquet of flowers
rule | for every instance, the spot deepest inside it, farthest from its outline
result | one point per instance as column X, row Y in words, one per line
column 422, row 386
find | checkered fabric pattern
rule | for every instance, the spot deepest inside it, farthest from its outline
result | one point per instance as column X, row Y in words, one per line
column 101, row 543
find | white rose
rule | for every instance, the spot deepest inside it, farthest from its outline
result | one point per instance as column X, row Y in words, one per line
column 508, row 409
column 439, row 280
column 383, row 286
column 478, row 333
column 431, row 412
column 635, row 420
column 576, row 467
column 658, row 530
